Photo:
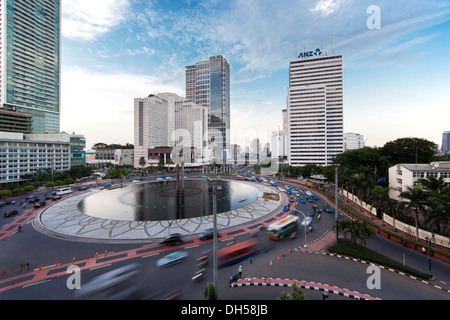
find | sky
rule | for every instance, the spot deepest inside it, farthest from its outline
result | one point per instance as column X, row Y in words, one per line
column 396, row 75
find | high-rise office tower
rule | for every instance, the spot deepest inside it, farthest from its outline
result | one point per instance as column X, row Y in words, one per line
column 208, row 85
column 446, row 142
column 150, row 125
column 315, row 109
column 29, row 61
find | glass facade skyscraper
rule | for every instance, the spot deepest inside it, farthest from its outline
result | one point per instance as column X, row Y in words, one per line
column 208, row 85
column 29, row 61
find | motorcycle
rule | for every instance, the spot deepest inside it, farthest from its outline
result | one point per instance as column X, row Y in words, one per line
column 199, row 274
column 234, row 278
column 293, row 234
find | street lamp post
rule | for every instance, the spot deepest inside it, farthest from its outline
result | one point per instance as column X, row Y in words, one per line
column 215, row 258
column 336, row 207
column 304, row 219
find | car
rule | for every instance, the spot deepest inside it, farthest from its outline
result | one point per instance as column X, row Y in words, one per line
column 302, row 200
column 310, row 213
column 174, row 238
column 315, row 197
column 289, row 192
column 309, row 199
column 136, row 181
column 10, row 213
column 328, row 208
column 308, row 222
column 208, row 234
column 286, row 208
column 39, row 204
column 56, row 197
column 172, row 258
column 168, row 178
column 291, row 199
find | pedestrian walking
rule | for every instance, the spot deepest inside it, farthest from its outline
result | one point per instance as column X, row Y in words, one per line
column 240, row 272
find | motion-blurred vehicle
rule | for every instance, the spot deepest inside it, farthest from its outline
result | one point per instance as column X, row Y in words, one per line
column 123, row 283
column 328, row 208
column 237, row 252
column 10, row 213
column 308, row 222
column 174, row 238
column 171, row 259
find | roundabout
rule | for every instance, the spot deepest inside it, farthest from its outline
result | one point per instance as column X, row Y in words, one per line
column 82, row 217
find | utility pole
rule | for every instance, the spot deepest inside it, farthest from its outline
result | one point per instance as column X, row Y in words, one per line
column 215, row 258
column 336, row 207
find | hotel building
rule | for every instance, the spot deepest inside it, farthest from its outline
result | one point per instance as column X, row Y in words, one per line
column 29, row 61
column 315, row 109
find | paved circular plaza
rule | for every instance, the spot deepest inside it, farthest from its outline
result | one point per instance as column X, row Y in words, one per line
column 63, row 219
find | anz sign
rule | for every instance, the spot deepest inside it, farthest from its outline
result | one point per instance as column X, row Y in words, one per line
column 310, row 54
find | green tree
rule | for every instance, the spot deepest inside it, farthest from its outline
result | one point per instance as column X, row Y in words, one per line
column 356, row 230
column 295, row 294
column 409, row 150
column 417, row 200
column 210, row 292
column 379, row 198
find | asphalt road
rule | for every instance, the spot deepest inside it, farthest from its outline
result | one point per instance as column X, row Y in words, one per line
column 40, row 250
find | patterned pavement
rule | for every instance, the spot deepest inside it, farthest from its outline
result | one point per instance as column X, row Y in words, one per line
column 64, row 220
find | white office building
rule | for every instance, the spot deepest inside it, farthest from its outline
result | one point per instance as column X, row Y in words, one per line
column 22, row 155
column 404, row 175
column 191, row 123
column 150, row 125
column 167, row 120
column 315, row 109
column 353, row 141
column 279, row 143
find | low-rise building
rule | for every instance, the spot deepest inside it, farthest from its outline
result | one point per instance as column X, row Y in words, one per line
column 404, row 175
column 22, row 155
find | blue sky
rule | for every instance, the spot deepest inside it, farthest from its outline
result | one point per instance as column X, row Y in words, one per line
column 396, row 78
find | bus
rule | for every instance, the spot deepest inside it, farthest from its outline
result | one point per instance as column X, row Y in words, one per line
column 63, row 191
column 284, row 227
column 237, row 252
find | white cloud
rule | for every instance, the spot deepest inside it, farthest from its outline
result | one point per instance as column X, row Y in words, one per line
column 87, row 19
column 326, row 7
column 100, row 104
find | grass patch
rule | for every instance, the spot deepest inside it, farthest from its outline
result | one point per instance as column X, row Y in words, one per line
column 345, row 247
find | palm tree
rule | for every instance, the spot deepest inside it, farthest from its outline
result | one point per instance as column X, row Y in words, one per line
column 432, row 184
column 379, row 198
column 142, row 163
column 362, row 184
column 357, row 231
column 417, row 199
column 392, row 207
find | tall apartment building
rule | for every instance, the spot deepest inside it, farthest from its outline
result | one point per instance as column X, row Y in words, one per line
column 208, row 85
column 150, row 125
column 315, row 109
column 193, row 120
column 353, row 141
column 160, row 119
column 446, row 142
column 29, row 61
